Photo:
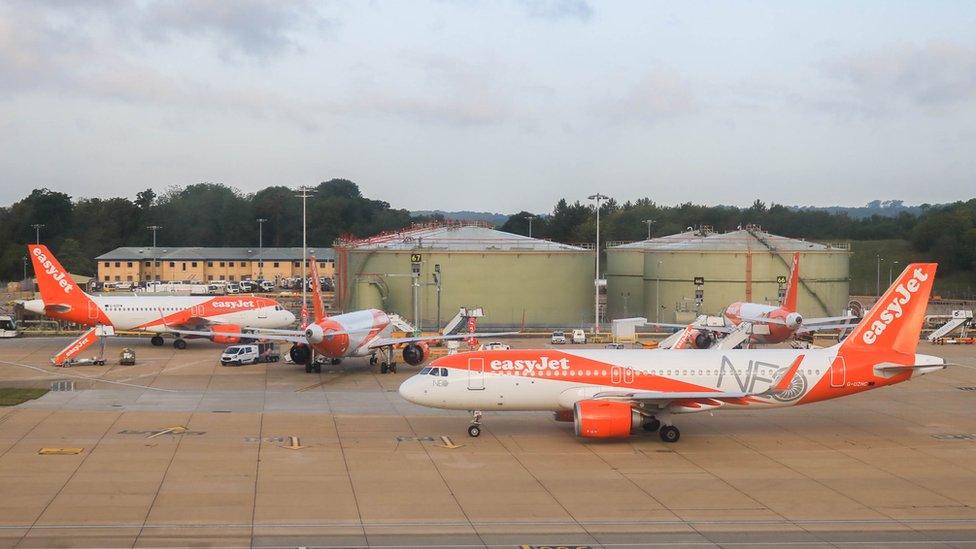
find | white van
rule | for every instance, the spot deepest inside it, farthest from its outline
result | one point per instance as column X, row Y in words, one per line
column 249, row 354
column 233, row 288
column 8, row 327
column 579, row 336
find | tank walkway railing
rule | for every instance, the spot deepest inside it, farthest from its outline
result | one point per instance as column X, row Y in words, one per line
column 788, row 264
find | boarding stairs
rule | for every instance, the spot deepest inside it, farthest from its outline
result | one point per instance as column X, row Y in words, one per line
column 97, row 333
column 956, row 320
column 400, row 324
column 457, row 324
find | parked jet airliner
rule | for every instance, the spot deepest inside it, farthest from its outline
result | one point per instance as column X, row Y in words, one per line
column 222, row 319
column 610, row 393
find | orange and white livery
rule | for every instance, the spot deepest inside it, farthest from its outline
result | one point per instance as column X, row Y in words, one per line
column 222, row 319
column 611, row 393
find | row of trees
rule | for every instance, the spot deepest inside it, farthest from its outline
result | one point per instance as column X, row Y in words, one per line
column 210, row 214
column 205, row 214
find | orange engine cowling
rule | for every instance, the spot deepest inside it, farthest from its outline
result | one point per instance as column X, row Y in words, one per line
column 226, row 333
column 416, row 353
column 701, row 340
column 605, row 419
column 323, row 338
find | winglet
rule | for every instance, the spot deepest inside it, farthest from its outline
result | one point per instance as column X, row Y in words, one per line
column 317, row 307
column 783, row 383
column 789, row 299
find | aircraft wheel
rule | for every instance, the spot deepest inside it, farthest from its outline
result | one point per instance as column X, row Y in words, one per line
column 179, row 343
column 393, row 367
column 670, row 433
column 652, row 425
column 384, row 368
column 474, row 430
column 308, row 368
column 336, row 361
column 372, row 360
column 157, row 341
column 317, row 368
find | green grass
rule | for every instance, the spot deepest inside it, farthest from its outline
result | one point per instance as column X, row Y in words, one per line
column 13, row 397
column 864, row 269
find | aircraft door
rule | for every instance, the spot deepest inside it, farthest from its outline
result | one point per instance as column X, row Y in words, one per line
column 92, row 310
column 476, row 374
column 196, row 311
column 615, row 374
column 838, row 371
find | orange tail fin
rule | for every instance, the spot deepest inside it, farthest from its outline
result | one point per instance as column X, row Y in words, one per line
column 895, row 321
column 789, row 299
column 317, row 307
column 62, row 297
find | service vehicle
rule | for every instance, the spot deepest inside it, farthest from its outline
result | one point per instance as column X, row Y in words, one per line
column 266, row 286
column 247, row 286
column 495, row 346
column 127, row 357
column 233, row 288
column 250, row 353
column 8, row 327
column 579, row 336
column 558, row 338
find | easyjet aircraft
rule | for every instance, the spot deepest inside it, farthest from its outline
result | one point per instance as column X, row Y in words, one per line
column 757, row 322
column 611, row 393
column 222, row 319
column 355, row 334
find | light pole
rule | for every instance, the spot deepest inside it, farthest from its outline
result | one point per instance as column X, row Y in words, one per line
column 304, row 191
column 25, row 268
column 877, row 287
column 649, row 222
column 261, row 222
column 154, row 228
column 530, row 218
column 596, row 281
column 890, row 266
column 37, row 232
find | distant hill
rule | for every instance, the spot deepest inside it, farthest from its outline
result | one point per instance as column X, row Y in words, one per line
column 884, row 208
column 493, row 218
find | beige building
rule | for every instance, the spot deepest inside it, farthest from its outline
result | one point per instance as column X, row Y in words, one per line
column 196, row 264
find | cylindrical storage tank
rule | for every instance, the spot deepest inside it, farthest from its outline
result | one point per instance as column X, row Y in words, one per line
column 518, row 281
column 742, row 266
column 369, row 295
column 625, row 275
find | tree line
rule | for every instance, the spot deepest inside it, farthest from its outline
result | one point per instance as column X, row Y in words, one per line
column 213, row 214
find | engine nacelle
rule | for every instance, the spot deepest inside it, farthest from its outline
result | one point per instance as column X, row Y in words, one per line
column 793, row 321
column 300, row 354
column 702, row 340
column 323, row 335
column 605, row 419
column 227, row 334
column 416, row 353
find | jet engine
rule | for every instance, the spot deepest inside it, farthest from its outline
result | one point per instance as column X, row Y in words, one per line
column 605, row 419
column 701, row 339
column 793, row 321
column 322, row 335
column 416, row 353
column 227, row 334
column 300, row 353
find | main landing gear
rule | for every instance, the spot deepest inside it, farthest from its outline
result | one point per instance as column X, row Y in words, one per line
column 179, row 343
column 474, row 429
column 388, row 365
column 157, row 341
column 668, row 433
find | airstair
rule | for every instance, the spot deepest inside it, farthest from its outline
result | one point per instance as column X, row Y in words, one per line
column 956, row 320
column 84, row 341
column 400, row 324
column 458, row 324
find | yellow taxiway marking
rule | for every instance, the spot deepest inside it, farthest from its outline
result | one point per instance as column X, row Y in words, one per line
column 178, row 430
column 319, row 384
column 448, row 443
column 294, row 444
column 60, row 451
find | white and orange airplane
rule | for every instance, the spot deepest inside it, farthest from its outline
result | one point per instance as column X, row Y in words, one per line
column 221, row 319
column 355, row 334
column 611, row 393
column 756, row 322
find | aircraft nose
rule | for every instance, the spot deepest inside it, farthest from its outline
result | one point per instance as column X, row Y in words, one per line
column 288, row 317
column 412, row 390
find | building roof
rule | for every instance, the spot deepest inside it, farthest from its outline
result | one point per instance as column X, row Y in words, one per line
column 167, row 253
column 753, row 239
column 457, row 237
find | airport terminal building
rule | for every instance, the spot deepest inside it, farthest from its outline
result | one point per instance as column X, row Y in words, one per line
column 426, row 269
column 202, row 264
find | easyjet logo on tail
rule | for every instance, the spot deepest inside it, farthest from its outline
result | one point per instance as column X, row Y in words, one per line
column 51, row 270
column 903, row 294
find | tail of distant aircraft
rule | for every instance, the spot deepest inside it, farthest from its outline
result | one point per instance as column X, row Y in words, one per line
column 317, row 307
column 789, row 298
column 895, row 321
column 62, row 297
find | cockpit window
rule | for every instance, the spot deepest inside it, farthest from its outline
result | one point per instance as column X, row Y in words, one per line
column 444, row 372
column 425, row 371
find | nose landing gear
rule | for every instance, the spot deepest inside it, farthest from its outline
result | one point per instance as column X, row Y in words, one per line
column 474, row 429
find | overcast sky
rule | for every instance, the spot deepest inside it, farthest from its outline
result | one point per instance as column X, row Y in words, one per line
column 499, row 106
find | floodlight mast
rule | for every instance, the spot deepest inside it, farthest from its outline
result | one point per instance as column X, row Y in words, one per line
column 596, row 281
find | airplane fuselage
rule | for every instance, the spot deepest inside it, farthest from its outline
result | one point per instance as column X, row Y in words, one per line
column 739, row 312
column 360, row 329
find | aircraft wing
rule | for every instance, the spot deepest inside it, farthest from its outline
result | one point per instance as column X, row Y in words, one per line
column 390, row 341
column 298, row 338
column 735, row 337
column 807, row 329
column 719, row 329
column 829, row 320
